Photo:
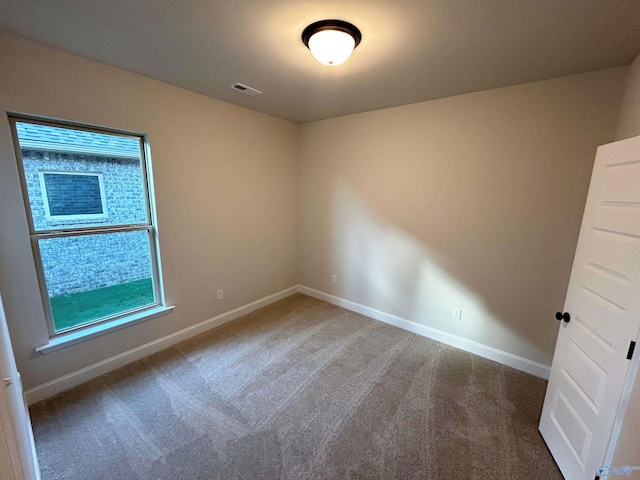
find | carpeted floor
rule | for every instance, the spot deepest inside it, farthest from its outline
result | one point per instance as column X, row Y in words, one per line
column 299, row 390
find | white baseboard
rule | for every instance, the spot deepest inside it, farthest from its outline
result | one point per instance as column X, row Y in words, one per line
column 500, row 356
column 73, row 379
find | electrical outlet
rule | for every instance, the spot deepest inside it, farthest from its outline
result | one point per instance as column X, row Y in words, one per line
column 457, row 313
column 334, row 279
column 220, row 294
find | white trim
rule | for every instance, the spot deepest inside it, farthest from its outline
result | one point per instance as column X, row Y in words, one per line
column 73, row 379
column 500, row 356
column 93, row 330
column 632, row 376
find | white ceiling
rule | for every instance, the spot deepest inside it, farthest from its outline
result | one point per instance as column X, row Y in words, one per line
column 411, row 50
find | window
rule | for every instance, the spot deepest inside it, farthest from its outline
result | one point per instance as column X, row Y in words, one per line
column 73, row 195
column 88, row 197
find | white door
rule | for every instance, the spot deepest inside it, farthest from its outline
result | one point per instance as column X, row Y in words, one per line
column 17, row 451
column 590, row 363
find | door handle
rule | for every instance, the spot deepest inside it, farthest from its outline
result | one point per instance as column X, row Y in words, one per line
column 7, row 382
column 563, row 316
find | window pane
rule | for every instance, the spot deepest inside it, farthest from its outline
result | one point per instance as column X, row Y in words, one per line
column 91, row 277
column 78, row 179
column 72, row 194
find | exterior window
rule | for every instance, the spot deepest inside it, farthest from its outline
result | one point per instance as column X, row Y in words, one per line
column 88, row 198
column 72, row 195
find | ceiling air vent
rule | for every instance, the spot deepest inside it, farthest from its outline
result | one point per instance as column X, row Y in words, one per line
column 245, row 89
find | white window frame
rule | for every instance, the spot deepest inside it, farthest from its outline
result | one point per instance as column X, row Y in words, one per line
column 72, row 218
column 63, row 338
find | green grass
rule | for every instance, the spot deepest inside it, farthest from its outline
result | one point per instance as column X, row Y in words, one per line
column 78, row 308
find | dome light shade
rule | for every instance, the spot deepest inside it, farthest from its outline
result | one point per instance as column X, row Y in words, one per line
column 331, row 47
column 331, row 41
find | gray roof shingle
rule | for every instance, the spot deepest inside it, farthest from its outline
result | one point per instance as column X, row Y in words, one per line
column 44, row 137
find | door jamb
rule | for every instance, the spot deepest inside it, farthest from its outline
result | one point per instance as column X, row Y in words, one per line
column 632, row 377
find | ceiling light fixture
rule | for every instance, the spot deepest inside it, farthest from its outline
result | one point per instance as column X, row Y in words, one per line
column 331, row 41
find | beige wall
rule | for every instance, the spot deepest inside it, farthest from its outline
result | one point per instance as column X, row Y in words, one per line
column 226, row 190
column 472, row 201
column 629, row 122
column 628, row 447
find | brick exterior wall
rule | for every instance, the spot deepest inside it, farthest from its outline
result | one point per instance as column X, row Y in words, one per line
column 76, row 264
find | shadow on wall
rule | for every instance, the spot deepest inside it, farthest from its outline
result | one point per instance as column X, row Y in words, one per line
column 422, row 278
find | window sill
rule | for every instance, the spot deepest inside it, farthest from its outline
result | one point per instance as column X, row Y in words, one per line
column 77, row 336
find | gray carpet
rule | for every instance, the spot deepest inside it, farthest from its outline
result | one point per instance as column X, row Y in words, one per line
column 299, row 390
